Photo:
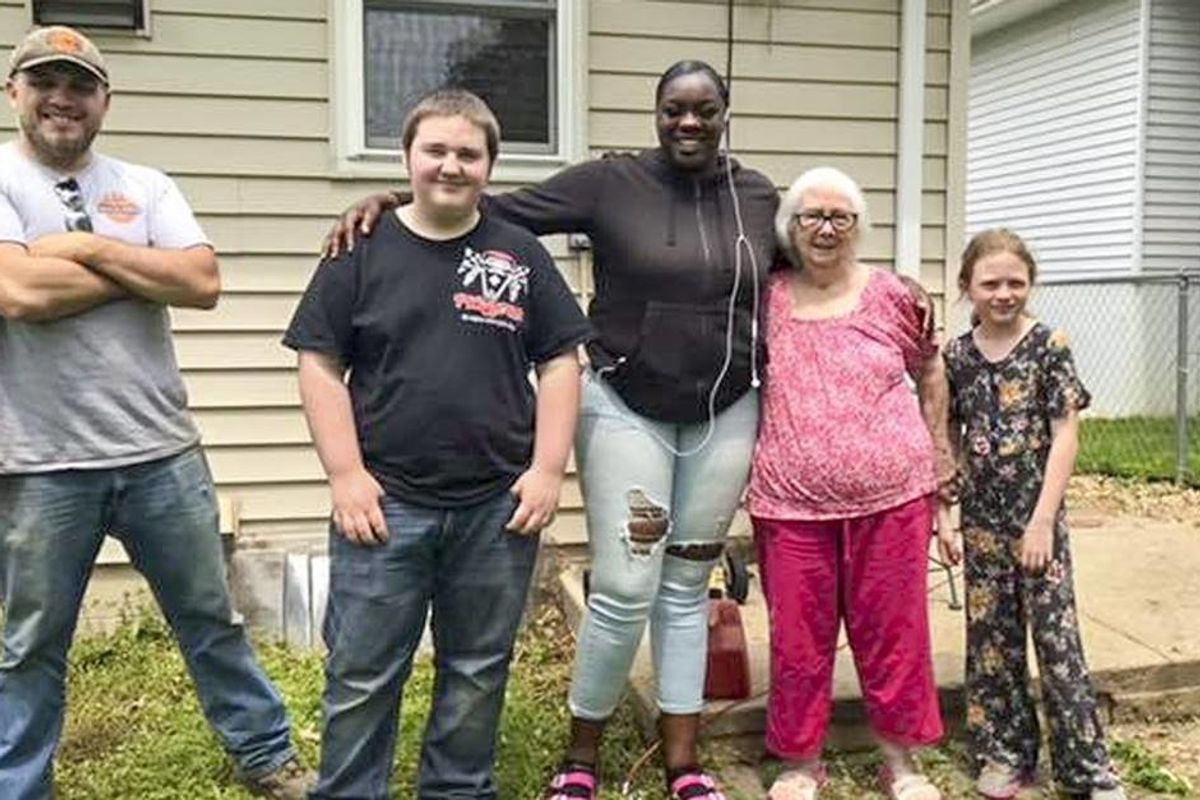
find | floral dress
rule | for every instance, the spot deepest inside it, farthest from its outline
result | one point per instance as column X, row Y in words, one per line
column 1004, row 411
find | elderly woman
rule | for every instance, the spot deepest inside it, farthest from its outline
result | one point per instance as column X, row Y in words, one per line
column 842, row 490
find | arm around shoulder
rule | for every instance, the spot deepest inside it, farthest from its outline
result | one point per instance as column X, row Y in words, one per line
column 566, row 202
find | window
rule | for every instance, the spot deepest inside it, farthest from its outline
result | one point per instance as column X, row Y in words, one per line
column 123, row 15
column 521, row 56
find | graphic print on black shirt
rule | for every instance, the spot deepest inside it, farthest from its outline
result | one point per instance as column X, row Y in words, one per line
column 493, row 284
column 438, row 338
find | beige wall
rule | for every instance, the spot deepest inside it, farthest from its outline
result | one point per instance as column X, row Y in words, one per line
column 232, row 99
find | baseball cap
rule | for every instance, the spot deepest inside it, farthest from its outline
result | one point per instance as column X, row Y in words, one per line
column 58, row 43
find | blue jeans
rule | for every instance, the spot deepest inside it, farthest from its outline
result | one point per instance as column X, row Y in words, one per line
column 165, row 513
column 656, row 523
column 475, row 575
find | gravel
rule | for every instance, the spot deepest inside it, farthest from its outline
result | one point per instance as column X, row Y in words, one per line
column 1092, row 495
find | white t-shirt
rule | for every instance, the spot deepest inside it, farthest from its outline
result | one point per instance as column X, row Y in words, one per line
column 98, row 389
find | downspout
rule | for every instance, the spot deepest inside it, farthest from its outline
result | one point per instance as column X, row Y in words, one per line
column 1136, row 261
column 956, row 162
column 910, row 144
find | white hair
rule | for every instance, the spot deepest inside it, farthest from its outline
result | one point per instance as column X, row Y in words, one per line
column 828, row 178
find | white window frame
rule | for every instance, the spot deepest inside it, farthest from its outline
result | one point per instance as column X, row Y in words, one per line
column 347, row 107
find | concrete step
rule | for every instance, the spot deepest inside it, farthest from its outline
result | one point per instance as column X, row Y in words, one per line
column 1155, row 705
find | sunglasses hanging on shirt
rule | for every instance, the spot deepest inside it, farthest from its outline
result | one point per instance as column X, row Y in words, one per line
column 70, row 196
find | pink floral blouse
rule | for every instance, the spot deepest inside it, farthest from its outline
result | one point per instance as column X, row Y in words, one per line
column 842, row 434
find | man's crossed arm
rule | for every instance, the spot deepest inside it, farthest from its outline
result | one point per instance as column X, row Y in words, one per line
column 67, row 273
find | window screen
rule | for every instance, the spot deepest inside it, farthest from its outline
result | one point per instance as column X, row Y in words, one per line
column 503, row 52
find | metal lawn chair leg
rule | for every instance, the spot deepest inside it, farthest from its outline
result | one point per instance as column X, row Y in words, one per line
column 955, row 603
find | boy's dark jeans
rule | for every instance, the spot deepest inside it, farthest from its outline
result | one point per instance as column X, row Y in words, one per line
column 474, row 575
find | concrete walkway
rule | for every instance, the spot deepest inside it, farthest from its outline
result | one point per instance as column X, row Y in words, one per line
column 1138, row 584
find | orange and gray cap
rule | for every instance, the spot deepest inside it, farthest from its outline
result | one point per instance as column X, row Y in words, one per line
column 58, row 43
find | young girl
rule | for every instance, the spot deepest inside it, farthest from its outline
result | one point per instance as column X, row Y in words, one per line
column 1015, row 405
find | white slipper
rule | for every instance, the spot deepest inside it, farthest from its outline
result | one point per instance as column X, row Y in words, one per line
column 912, row 786
column 797, row 784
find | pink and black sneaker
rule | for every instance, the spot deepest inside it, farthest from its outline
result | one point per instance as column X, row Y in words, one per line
column 573, row 781
column 692, row 783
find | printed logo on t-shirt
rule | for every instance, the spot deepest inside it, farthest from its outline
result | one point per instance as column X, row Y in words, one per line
column 493, row 282
column 118, row 208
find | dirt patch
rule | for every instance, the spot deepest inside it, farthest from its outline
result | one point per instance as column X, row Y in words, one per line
column 89, row 741
column 1174, row 747
column 1090, row 496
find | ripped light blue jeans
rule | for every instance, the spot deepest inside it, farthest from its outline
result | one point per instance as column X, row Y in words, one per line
column 656, row 522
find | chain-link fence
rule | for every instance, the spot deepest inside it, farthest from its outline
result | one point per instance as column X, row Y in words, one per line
column 1136, row 340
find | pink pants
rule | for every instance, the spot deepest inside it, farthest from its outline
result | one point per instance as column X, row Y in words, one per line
column 872, row 572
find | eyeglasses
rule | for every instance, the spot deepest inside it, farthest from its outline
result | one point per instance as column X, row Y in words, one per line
column 70, row 196
column 811, row 220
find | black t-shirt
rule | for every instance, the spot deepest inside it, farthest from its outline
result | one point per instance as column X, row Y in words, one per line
column 438, row 338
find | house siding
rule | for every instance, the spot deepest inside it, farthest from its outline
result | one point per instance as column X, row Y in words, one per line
column 1053, row 134
column 814, row 83
column 232, row 99
column 1171, row 211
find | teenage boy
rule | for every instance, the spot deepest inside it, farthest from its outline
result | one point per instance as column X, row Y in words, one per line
column 440, row 471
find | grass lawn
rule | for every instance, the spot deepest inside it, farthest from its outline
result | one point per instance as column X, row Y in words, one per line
column 134, row 729
column 1135, row 447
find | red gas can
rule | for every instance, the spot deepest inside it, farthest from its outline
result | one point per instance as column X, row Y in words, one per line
column 728, row 675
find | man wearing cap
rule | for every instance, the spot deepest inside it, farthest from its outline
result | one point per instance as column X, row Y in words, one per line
column 95, row 436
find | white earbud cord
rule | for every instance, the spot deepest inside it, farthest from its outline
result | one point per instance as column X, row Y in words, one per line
column 742, row 242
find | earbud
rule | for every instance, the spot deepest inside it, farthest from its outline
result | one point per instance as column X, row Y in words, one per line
column 723, row 144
